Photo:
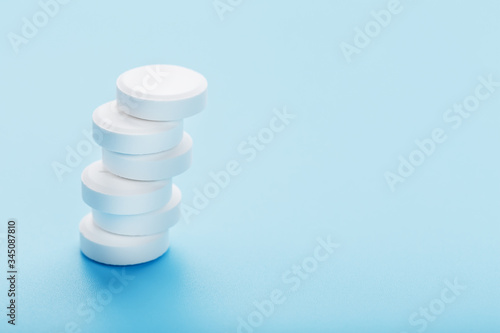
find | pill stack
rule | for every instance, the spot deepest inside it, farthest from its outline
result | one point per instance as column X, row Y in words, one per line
column 130, row 191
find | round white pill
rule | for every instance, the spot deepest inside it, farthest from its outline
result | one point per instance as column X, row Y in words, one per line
column 142, row 224
column 163, row 165
column 117, row 131
column 161, row 92
column 112, row 249
column 104, row 191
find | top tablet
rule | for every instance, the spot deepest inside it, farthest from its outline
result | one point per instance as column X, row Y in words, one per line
column 161, row 92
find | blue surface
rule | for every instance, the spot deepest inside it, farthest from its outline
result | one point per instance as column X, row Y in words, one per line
column 322, row 175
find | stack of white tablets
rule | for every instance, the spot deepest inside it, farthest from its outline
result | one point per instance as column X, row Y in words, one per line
column 130, row 191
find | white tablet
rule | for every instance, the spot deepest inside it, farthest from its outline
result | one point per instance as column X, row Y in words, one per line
column 107, row 192
column 161, row 92
column 119, row 132
column 113, row 249
column 157, row 221
column 163, row 165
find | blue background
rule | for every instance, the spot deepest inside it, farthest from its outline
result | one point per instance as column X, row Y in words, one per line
column 323, row 175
